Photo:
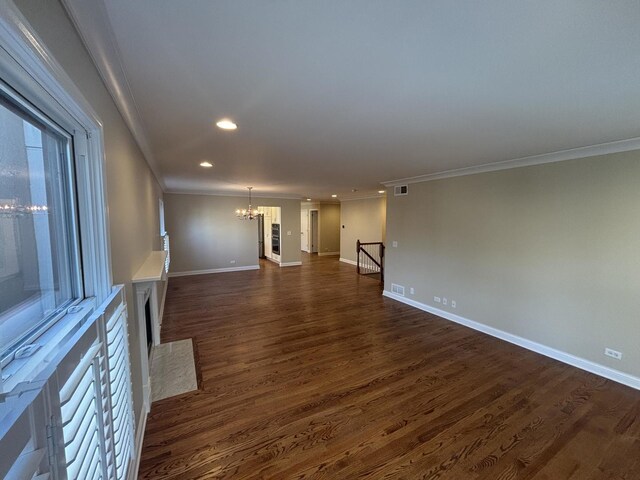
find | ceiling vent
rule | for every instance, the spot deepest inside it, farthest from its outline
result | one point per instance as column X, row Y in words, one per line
column 397, row 289
column 401, row 190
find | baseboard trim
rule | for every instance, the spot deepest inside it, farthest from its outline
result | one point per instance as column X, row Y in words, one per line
column 578, row 362
column 214, row 270
column 327, row 254
column 350, row 262
column 291, row 264
column 134, row 467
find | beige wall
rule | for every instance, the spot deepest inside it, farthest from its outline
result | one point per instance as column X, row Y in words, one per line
column 363, row 220
column 549, row 253
column 132, row 190
column 328, row 225
column 207, row 235
column 329, row 229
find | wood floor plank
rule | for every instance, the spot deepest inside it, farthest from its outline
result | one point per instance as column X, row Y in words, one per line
column 310, row 373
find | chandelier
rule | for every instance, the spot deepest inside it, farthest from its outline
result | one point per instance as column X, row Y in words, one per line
column 248, row 213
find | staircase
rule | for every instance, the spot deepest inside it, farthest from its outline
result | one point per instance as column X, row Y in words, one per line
column 370, row 257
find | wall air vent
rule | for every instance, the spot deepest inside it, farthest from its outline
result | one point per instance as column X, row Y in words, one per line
column 401, row 190
column 397, row 289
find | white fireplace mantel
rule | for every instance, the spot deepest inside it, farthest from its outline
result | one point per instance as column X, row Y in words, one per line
column 146, row 283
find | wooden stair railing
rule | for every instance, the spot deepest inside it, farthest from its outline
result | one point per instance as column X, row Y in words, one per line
column 370, row 257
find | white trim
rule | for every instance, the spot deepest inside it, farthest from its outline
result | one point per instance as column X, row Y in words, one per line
column 134, row 466
column 277, row 262
column 92, row 23
column 581, row 363
column 291, row 264
column 317, row 203
column 214, row 270
column 559, row 156
column 350, row 262
column 327, row 254
column 143, row 294
column 164, row 296
column 364, row 197
column 227, row 193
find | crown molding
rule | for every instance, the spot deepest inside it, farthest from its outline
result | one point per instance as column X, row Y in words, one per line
column 364, row 197
column 91, row 20
column 559, row 156
column 319, row 203
column 215, row 193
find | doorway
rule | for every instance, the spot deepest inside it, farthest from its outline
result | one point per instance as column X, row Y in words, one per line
column 313, row 230
column 269, row 227
column 304, row 231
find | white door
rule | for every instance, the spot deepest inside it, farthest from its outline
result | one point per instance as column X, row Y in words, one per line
column 304, row 230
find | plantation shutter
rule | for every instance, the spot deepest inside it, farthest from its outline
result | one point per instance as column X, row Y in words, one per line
column 97, row 404
column 75, row 421
column 119, row 384
column 82, row 428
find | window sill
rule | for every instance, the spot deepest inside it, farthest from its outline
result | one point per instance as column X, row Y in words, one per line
column 19, row 374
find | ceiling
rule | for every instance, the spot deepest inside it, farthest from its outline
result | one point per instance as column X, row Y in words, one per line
column 336, row 95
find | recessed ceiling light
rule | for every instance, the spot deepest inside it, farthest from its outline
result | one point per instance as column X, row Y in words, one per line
column 381, row 191
column 226, row 124
column 308, row 199
column 334, row 195
column 206, row 164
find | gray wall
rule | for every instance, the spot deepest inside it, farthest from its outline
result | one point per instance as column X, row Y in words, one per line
column 206, row 234
column 132, row 190
column 363, row 219
column 549, row 253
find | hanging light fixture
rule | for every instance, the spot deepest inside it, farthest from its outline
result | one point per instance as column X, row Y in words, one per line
column 249, row 213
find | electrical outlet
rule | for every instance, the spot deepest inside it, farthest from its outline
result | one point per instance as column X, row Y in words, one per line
column 394, row 244
column 445, row 301
column 613, row 353
column 232, row 262
column 453, row 304
column 412, row 291
column 437, row 299
column 289, row 233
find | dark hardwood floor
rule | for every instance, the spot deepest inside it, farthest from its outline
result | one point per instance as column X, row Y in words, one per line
column 308, row 372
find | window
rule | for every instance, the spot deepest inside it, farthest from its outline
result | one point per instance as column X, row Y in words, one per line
column 66, row 407
column 163, row 231
column 40, row 274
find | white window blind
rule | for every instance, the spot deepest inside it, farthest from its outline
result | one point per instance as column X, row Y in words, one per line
column 97, row 404
column 81, row 412
column 120, row 398
column 84, row 404
column 166, row 246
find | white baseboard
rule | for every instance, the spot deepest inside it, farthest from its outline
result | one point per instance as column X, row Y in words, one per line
column 277, row 262
column 326, row 254
column 214, row 270
column 583, row 364
column 291, row 264
column 135, row 464
column 350, row 262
